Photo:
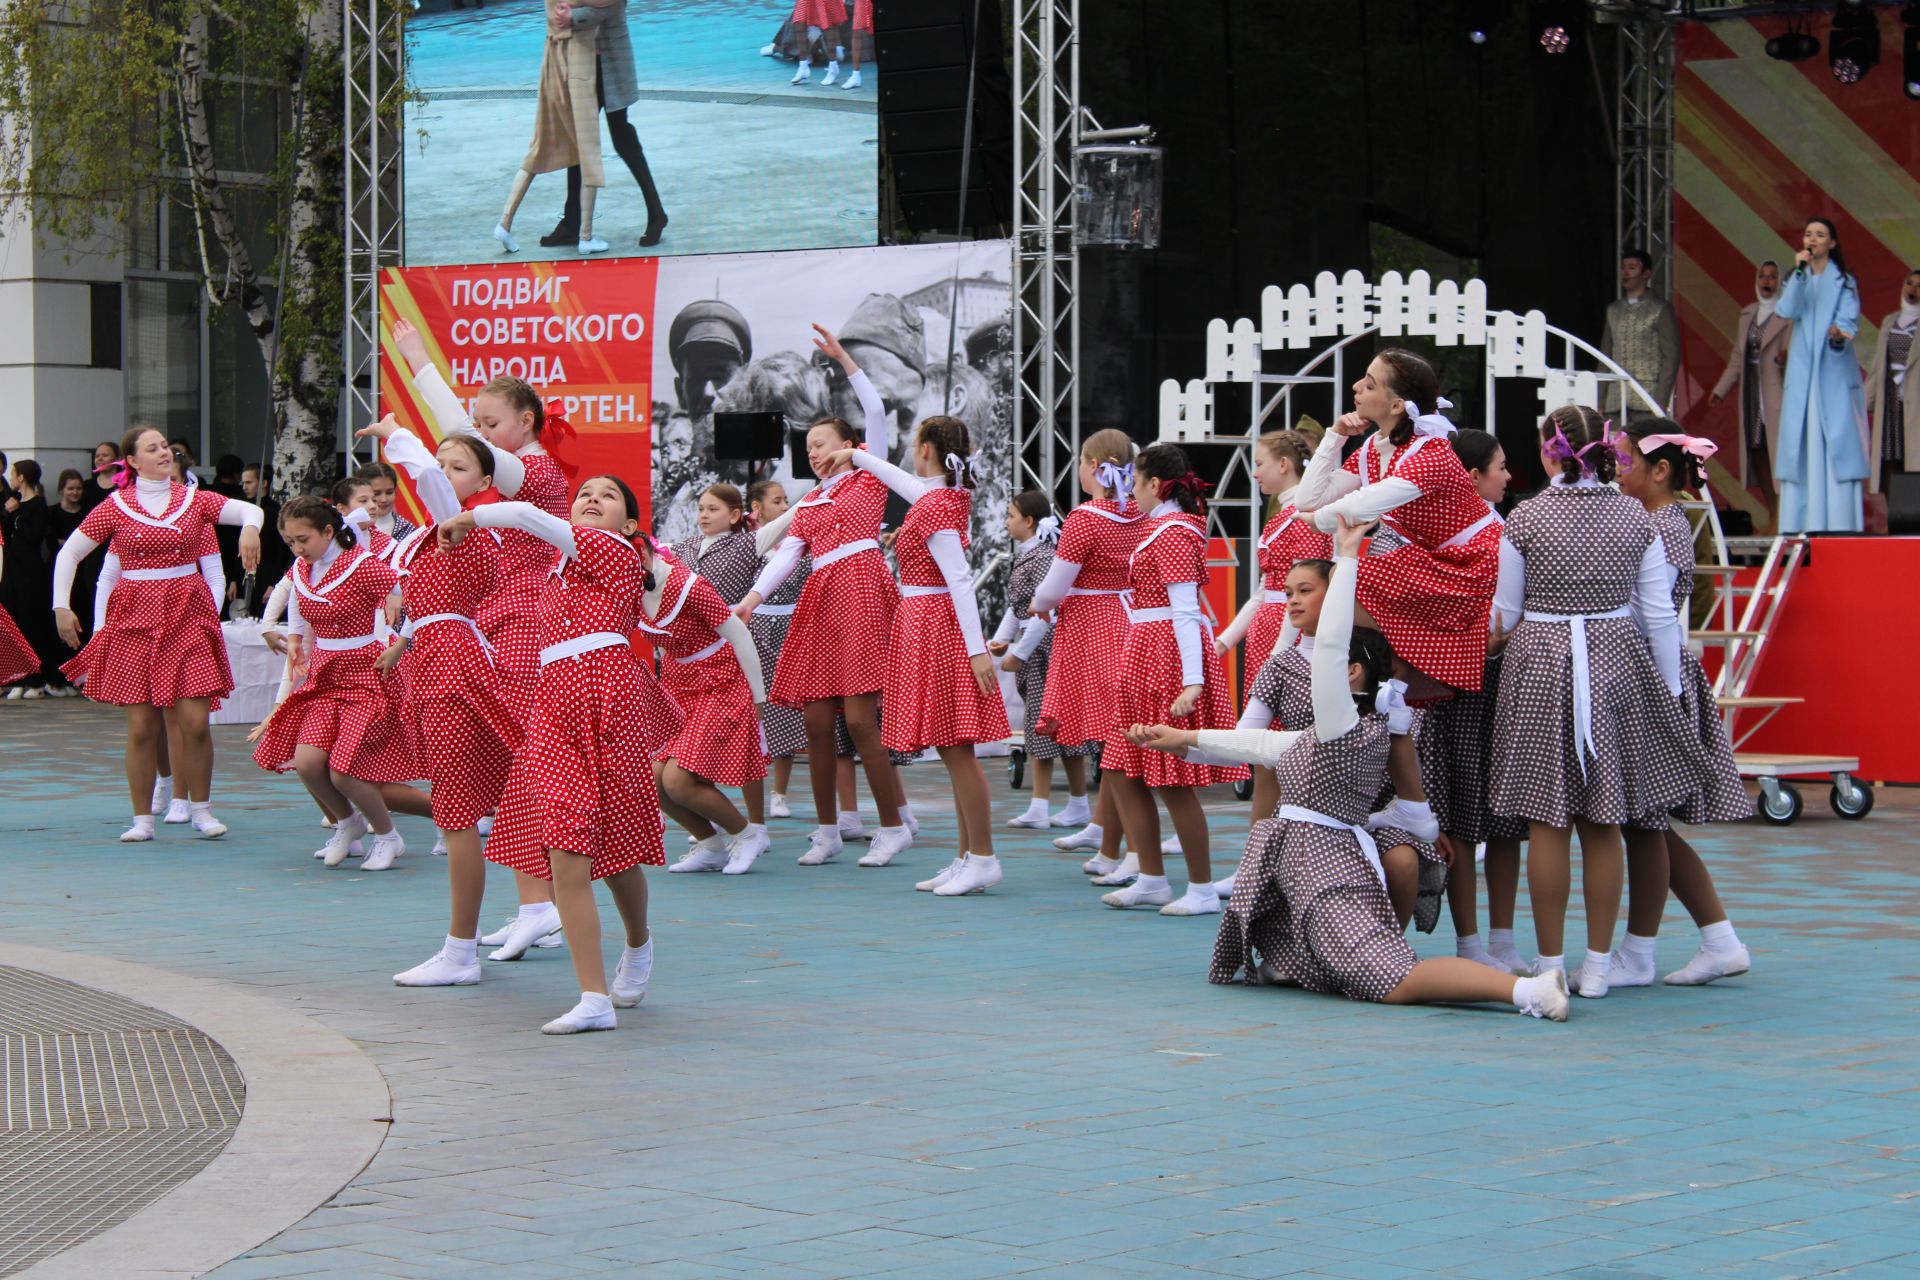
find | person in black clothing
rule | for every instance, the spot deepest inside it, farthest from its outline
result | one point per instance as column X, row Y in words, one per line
column 226, row 483
column 275, row 559
column 27, row 584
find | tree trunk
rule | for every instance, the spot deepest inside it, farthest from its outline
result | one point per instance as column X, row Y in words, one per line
column 308, row 369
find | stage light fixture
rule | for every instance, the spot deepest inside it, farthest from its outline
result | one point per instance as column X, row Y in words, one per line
column 1795, row 44
column 1559, row 22
column 1910, row 49
column 1854, row 48
column 1482, row 17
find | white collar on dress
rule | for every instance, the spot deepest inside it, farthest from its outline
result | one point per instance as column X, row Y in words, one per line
column 1168, row 508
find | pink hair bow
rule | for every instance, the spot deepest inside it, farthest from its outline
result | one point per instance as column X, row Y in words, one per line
column 122, row 473
column 1699, row 446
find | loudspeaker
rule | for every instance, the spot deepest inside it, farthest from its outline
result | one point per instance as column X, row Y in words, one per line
column 1903, row 502
column 748, row 437
column 925, row 50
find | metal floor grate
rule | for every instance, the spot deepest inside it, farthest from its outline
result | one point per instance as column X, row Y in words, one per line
column 105, row 1106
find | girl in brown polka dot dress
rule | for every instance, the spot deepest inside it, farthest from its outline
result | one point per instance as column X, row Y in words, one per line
column 1312, row 907
column 1666, row 461
column 580, row 803
column 831, row 660
column 1588, row 731
column 1169, row 674
column 1081, row 597
column 785, row 728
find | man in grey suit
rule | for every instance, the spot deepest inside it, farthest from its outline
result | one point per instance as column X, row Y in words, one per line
column 618, row 88
column 1757, row 368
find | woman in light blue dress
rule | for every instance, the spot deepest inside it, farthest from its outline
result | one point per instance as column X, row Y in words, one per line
column 1823, row 411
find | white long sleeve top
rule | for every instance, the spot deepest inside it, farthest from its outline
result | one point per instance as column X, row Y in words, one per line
column 1330, row 491
column 452, row 419
column 943, row 545
column 152, row 495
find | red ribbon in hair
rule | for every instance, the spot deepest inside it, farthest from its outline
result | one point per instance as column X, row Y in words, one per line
column 1191, row 482
column 556, row 428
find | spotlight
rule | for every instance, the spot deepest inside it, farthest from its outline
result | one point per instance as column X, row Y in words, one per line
column 1795, row 45
column 1910, row 49
column 1555, row 39
column 1482, row 17
column 1854, row 48
column 1559, row 23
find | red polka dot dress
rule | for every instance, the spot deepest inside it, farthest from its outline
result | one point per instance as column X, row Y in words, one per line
column 583, row 781
column 1090, row 623
column 345, row 707
column 1284, row 541
column 1431, row 596
column 720, row 739
column 931, row 697
column 833, row 647
column 1152, row 671
column 454, row 693
column 161, row 639
column 819, row 13
column 17, row 658
column 510, row 616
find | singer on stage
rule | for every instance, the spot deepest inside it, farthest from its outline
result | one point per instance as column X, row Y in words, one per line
column 1823, row 416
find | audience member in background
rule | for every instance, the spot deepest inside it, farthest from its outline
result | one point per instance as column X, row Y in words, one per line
column 275, row 559
column 1893, row 398
column 27, row 584
column 385, row 483
column 1643, row 337
column 226, row 483
column 1757, row 366
column 183, row 457
column 105, row 454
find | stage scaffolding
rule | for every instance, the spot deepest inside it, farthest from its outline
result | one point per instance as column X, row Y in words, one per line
column 1643, row 140
column 372, row 50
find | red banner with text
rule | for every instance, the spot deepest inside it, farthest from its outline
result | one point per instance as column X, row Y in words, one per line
column 581, row 334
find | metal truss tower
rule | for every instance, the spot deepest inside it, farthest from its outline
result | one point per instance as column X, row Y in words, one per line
column 373, row 52
column 1046, row 266
column 1643, row 142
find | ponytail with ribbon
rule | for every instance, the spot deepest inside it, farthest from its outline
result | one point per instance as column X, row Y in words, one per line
column 1689, row 459
column 965, row 471
column 1117, row 479
column 122, row 475
column 1047, row 529
column 1191, row 485
column 1431, row 424
column 1602, row 466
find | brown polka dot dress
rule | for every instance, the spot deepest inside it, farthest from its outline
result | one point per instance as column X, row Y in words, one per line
column 1090, row 627
column 583, row 782
column 720, row 739
column 345, row 707
column 1284, row 685
column 1583, row 546
column 786, row 727
column 1306, row 900
column 161, row 642
column 1456, row 763
column 931, row 698
column 1431, row 595
column 1029, row 568
column 1724, row 797
column 1174, row 550
column 729, row 564
column 1283, row 542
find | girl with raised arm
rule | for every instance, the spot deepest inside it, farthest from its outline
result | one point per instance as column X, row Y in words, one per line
column 830, row 662
column 160, row 645
column 457, row 698
column 346, row 730
column 1587, row 728
column 1169, row 673
column 1430, row 595
column 940, row 691
column 1667, row 461
column 579, row 804
column 1081, row 596
column 712, row 670
column 1311, row 908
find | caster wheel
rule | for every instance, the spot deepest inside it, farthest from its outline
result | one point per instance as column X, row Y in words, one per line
column 1243, row 790
column 1017, row 769
column 1861, row 806
column 1783, row 807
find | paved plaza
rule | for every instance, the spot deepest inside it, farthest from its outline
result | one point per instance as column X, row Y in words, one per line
column 836, row 1076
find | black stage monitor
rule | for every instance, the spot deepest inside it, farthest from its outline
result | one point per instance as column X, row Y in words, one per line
column 748, row 437
column 797, row 447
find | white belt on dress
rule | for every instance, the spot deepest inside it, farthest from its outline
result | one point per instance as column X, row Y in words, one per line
column 580, row 644
column 1468, row 534
column 461, row 618
column 704, row 654
column 1149, row 615
column 1273, row 595
column 160, row 575
column 1096, row 591
column 773, row 611
column 1582, row 685
column 907, row 589
column 842, row 552
column 1368, row 849
column 351, row 642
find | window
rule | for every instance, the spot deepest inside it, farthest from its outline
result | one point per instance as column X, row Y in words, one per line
column 163, row 355
column 103, row 308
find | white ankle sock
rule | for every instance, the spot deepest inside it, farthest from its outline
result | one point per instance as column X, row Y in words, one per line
column 1544, row 964
column 1035, row 809
column 1093, row 829
column 595, row 1002
column 143, row 822
column 1499, row 939
column 529, row 909
column 1154, row 882
column 1523, row 991
column 1598, row 964
column 713, row 843
column 1469, row 945
column 461, row 950
column 1720, row 937
column 199, row 807
column 163, row 785
column 1635, row 947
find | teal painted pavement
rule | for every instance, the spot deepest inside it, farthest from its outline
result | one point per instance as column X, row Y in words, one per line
column 836, row 1076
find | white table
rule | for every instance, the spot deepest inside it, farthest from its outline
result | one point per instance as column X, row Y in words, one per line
column 256, row 675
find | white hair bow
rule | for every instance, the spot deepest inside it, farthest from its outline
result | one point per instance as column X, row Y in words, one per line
column 1047, row 529
column 1117, row 479
column 357, row 522
column 964, row 469
column 1391, row 702
column 1431, row 424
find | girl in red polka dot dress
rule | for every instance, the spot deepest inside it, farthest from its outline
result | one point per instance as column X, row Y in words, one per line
column 832, row 660
column 940, row 689
column 1169, row 674
column 1430, row 596
column 161, row 646
column 467, row 731
column 510, row 420
column 711, row 668
column 1081, row 598
column 346, row 731
column 1279, row 460
column 580, row 804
